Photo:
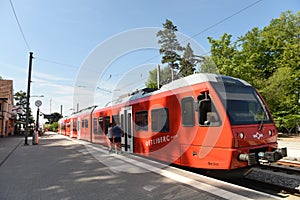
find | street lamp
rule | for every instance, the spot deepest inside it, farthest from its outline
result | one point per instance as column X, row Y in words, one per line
column 36, row 95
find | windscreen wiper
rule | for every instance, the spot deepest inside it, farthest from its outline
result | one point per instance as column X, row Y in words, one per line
column 261, row 123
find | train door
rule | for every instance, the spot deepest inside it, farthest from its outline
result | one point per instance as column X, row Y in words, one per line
column 71, row 127
column 78, row 128
column 127, row 127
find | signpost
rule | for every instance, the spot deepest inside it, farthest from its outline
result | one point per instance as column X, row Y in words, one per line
column 35, row 135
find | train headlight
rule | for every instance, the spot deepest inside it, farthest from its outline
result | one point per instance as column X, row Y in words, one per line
column 270, row 132
column 242, row 135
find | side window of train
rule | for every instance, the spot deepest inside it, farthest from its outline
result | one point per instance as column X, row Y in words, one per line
column 106, row 121
column 116, row 119
column 95, row 126
column 74, row 125
column 208, row 115
column 86, row 123
column 100, row 121
column 141, row 121
column 188, row 111
column 82, row 123
column 160, row 120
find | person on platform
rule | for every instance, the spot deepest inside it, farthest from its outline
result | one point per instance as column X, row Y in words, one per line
column 110, row 137
column 117, row 134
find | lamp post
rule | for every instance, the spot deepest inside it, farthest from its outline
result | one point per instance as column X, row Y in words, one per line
column 28, row 96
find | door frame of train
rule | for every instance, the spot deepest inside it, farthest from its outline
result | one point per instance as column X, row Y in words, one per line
column 78, row 127
column 126, row 123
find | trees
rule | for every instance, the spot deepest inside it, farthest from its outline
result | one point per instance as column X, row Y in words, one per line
column 169, row 46
column 208, row 65
column 165, row 77
column 188, row 62
column 170, row 49
column 269, row 59
column 20, row 101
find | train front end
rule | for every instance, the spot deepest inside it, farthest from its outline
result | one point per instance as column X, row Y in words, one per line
column 254, row 135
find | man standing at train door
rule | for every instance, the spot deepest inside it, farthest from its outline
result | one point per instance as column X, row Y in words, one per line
column 110, row 137
column 117, row 133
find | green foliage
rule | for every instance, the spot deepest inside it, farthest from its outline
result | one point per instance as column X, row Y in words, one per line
column 287, row 123
column 169, row 45
column 188, row 62
column 20, row 100
column 269, row 60
column 170, row 49
column 165, row 77
column 57, row 116
column 208, row 66
column 52, row 127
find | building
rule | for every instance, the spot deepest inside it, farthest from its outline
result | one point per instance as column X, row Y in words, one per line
column 7, row 118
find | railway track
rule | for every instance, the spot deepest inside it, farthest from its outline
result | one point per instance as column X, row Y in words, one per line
column 290, row 163
column 280, row 179
column 285, row 174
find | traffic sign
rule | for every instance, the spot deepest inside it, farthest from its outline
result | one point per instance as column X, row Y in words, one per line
column 38, row 103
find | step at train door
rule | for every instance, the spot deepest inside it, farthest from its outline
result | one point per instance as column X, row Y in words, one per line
column 127, row 125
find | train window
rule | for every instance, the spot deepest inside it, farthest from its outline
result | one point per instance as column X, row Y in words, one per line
column 82, row 124
column 141, row 121
column 160, row 120
column 75, row 126
column 188, row 111
column 106, row 123
column 86, row 123
column 208, row 115
column 95, row 126
column 78, row 125
column 101, row 129
column 116, row 119
column 129, row 124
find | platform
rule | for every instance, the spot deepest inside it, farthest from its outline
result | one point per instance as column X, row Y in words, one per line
column 63, row 168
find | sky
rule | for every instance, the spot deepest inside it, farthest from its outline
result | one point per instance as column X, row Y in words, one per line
column 89, row 52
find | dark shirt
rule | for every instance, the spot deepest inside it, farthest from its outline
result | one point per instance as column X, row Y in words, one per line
column 117, row 131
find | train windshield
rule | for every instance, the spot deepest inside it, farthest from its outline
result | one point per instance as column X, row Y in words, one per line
column 243, row 104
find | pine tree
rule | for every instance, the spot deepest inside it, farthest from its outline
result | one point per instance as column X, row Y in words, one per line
column 169, row 46
column 189, row 61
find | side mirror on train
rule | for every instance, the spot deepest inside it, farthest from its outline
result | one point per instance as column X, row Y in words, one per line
column 203, row 96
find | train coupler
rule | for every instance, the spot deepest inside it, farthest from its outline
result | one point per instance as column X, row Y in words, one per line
column 273, row 156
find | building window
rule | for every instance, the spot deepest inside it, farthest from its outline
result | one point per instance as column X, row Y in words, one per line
column 160, row 120
column 188, row 111
column 141, row 121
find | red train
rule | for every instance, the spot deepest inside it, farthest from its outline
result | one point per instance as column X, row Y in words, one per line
column 203, row 121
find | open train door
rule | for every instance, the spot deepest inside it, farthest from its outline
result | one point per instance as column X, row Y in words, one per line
column 127, row 125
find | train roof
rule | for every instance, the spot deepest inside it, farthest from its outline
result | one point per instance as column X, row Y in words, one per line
column 179, row 83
